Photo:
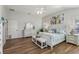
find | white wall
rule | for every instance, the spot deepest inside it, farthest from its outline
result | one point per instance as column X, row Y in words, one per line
column 16, row 22
column 3, row 11
column 69, row 17
column 0, row 10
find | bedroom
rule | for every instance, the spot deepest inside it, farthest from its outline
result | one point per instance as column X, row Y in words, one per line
column 24, row 22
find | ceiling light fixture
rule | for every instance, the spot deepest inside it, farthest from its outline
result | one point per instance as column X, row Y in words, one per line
column 40, row 11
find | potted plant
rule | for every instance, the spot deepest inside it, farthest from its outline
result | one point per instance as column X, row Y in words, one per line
column 40, row 30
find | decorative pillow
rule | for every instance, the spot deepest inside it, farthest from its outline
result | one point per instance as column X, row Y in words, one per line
column 60, row 30
column 52, row 31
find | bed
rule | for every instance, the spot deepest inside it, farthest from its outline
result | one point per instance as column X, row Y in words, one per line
column 53, row 38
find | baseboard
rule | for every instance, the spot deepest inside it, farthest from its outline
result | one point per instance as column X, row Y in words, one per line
column 19, row 38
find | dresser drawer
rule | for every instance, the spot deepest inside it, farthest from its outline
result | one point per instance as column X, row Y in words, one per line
column 71, row 39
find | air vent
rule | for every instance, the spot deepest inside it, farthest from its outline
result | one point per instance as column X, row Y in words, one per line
column 12, row 10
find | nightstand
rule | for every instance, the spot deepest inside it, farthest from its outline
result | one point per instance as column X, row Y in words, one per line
column 74, row 39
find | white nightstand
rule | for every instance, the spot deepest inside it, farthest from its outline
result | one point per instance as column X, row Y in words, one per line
column 74, row 39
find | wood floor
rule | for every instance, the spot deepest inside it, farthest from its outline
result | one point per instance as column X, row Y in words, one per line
column 26, row 46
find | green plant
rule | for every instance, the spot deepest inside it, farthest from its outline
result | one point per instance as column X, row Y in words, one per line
column 40, row 30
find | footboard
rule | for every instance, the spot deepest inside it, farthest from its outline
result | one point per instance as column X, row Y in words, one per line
column 56, row 39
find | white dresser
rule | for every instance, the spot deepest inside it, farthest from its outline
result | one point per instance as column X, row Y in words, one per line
column 1, row 38
column 3, row 35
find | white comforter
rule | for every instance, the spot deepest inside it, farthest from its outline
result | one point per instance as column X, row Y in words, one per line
column 56, row 38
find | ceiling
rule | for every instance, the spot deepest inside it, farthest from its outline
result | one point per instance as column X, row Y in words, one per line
column 32, row 9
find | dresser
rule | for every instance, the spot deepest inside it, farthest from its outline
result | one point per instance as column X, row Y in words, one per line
column 74, row 39
column 1, row 38
column 3, row 35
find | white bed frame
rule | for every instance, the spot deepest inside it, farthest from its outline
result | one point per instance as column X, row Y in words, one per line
column 53, row 38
